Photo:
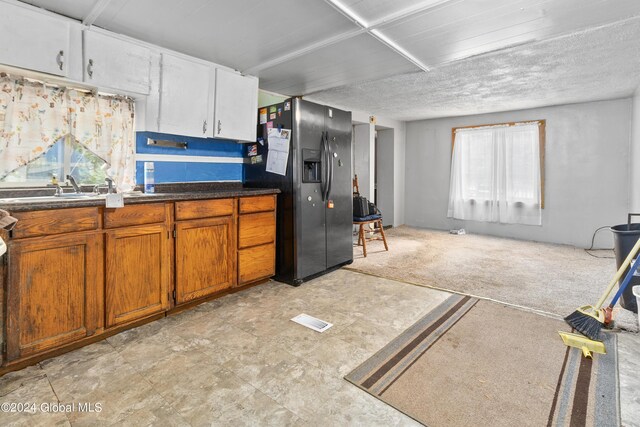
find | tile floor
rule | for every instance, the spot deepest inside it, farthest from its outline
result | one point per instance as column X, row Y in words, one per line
column 629, row 366
column 239, row 360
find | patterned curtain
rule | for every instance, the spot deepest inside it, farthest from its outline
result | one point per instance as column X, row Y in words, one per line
column 104, row 125
column 33, row 116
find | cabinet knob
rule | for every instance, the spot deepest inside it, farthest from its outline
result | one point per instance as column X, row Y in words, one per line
column 219, row 127
column 204, row 127
column 90, row 69
column 60, row 59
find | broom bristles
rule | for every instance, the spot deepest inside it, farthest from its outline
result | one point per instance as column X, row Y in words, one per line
column 587, row 325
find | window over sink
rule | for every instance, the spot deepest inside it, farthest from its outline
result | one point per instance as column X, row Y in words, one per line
column 47, row 129
column 65, row 157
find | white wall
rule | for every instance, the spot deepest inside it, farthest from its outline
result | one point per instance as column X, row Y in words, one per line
column 587, row 172
column 634, row 190
column 385, row 175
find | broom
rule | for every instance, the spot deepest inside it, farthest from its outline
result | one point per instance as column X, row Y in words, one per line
column 588, row 319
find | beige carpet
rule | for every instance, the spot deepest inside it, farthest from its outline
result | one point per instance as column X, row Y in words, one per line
column 473, row 362
column 552, row 278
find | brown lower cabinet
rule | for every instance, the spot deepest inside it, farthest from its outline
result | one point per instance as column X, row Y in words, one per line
column 138, row 273
column 205, row 252
column 54, row 292
column 121, row 266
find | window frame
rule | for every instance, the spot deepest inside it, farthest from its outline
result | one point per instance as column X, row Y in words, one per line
column 542, row 131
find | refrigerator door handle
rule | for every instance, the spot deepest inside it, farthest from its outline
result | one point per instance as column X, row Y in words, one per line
column 330, row 163
column 327, row 155
column 323, row 168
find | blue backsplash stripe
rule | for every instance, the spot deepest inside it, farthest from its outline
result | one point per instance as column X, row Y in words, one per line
column 176, row 171
column 191, row 172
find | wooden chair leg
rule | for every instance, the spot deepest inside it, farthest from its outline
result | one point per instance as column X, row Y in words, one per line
column 384, row 239
column 359, row 234
column 364, row 241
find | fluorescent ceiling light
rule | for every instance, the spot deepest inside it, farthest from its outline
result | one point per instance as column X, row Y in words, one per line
column 349, row 13
column 393, row 45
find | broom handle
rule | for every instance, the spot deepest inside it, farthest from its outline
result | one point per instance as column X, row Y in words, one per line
column 625, row 282
column 618, row 275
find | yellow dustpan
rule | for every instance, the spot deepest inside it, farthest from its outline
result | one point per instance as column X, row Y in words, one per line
column 583, row 343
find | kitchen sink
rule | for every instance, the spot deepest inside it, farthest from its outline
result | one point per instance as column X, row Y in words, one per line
column 79, row 196
column 72, row 196
column 40, row 199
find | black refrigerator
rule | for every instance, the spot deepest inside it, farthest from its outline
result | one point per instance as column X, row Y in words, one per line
column 315, row 206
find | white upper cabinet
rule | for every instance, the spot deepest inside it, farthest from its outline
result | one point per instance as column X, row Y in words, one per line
column 113, row 63
column 186, row 97
column 236, row 106
column 34, row 40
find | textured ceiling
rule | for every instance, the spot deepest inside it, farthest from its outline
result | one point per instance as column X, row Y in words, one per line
column 600, row 63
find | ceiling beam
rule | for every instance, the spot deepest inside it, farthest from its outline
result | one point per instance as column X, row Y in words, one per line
column 363, row 27
column 307, row 49
column 371, row 28
column 409, row 12
column 95, row 12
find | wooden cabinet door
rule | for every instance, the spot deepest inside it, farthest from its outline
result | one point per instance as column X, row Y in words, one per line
column 186, row 97
column 113, row 63
column 54, row 294
column 205, row 257
column 236, row 104
column 34, row 40
column 138, row 272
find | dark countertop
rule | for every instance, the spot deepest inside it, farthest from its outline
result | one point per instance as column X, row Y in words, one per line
column 164, row 193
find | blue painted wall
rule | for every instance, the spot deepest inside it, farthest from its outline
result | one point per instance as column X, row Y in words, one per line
column 177, row 171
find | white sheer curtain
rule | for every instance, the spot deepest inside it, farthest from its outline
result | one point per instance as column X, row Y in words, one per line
column 495, row 175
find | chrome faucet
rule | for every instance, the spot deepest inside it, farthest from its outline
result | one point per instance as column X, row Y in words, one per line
column 109, row 182
column 74, row 184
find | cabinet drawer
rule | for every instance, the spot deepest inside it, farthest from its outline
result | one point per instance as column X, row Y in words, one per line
column 257, row 204
column 256, row 263
column 256, row 229
column 54, row 221
column 193, row 209
column 135, row 215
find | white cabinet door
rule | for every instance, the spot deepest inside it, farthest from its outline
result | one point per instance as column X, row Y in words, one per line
column 113, row 63
column 33, row 40
column 186, row 95
column 236, row 106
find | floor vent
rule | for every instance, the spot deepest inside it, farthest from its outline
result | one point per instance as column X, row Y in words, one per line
column 312, row 323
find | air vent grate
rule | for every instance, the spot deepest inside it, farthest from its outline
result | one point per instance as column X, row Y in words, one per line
column 312, row 322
